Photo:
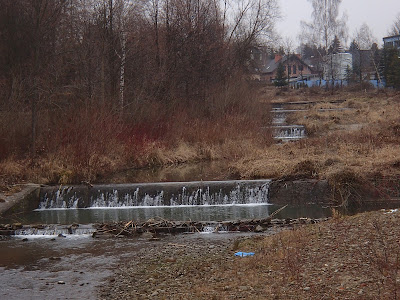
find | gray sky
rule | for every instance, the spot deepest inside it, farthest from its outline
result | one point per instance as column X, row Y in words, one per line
column 378, row 14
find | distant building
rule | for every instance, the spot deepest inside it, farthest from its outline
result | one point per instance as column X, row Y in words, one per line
column 392, row 41
column 264, row 68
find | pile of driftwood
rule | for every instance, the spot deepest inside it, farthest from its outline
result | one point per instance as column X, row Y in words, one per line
column 160, row 225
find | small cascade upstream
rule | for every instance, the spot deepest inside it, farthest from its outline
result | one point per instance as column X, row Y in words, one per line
column 282, row 130
column 289, row 132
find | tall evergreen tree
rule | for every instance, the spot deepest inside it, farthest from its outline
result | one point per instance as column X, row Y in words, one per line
column 336, row 47
column 355, row 51
column 391, row 67
column 280, row 79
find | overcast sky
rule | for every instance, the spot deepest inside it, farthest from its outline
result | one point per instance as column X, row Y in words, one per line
column 378, row 14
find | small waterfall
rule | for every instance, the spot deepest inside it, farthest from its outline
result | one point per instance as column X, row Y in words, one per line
column 289, row 132
column 205, row 193
column 282, row 130
column 279, row 119
column 212, row 228
column 60, row 199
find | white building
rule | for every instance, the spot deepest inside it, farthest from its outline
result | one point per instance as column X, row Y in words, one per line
column 392, row 41
column 336, row 66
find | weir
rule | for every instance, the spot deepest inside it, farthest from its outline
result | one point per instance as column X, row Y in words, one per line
column 155, row 194
column 196, row 201
column 283, row 131
column 289, row 132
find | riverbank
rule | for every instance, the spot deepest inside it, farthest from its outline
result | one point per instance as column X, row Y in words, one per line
column 360, row 133
column 351, row 145
column 347, row 257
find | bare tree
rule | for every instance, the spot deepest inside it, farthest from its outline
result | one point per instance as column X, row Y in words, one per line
column 325, row 27
column 326, row 24
column 44, row 15
column 251, row 21
column 364, row 39
column 395, row 30
column 288, row 51
column 59, row 56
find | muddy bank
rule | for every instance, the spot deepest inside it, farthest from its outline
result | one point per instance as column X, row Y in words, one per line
column 345, row 258
column 344, row 190
column 300, row 192
column 20, row 198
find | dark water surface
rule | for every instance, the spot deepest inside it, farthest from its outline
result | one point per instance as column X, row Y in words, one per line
column 184, row 213
column 176, row 213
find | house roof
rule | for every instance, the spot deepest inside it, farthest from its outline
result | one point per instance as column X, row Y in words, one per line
column 273, row 64
column 393, row 37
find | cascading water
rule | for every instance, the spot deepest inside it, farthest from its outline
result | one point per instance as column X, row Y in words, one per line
column 287, row 132
column 284, row 131
column 294, row 132
column 157, row 194
column 197, row 201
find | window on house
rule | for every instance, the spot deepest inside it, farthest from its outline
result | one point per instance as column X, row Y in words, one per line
column 294, row 69
column 300, row 67
column 290, row 70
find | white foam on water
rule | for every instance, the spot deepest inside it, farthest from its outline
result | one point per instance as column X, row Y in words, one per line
column 52, row 236
column 240, row 194
column 155, row 206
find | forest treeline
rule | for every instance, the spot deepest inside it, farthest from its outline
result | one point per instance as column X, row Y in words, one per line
column 79, row 76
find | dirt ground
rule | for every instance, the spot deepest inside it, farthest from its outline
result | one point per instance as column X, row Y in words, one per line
column 355, row 257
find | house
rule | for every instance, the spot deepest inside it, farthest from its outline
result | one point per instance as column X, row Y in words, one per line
column 392, row 61
column 259, row 57
column 294, row 67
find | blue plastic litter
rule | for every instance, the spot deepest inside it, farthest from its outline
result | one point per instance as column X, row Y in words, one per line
column 244, row 254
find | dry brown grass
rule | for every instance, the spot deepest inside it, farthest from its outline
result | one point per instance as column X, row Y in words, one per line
column 84, row 145
column 346, row 258
column 335, row 145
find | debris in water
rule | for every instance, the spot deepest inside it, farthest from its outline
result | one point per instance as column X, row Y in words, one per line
column 241, row 254
column 391, row 211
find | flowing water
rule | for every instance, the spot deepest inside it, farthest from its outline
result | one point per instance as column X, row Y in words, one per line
column 179, row 201
column 283, row 131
